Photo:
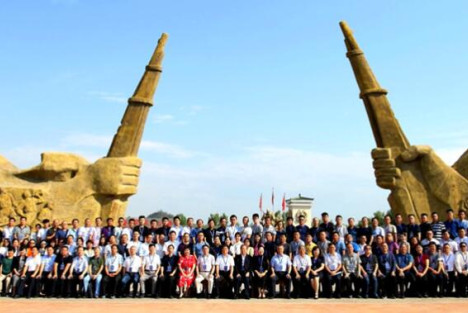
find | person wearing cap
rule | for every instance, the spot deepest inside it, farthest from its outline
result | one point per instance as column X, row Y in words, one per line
column 351, row 271
column 113, row 273
column 205, row 271
column 169, row 268
column 461, row 267
column 78, row 271
column 301, row 272
column 224, row 273
column 131, row 271
column 242, row 270
column 448, row 270
column 92, row 281
column 280, row 272
column 150, row 271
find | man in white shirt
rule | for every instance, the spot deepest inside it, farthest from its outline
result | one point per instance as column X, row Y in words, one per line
column 172, row 241
column 29, row 275
column 131, row 271
column 129, row 229
column 333, row 265
column 176, row 227
column 205, row 270
column 389, row 227
column 461, row 236
column 85, row 231
column 187, row 229
column 280, row 272
column 453, row 245
column 448, row 269
column 78, row 271
column 119, row 228
column 301, row 268
column 95, row 232
column 245, row 230
column 341, row 229
column 236, row 246
column 135, row 242
column 461, row 266
column 232, row 229
column 224, row 273
column 42, row 232
column 150, row 270
column 376, row 229
column 8, row 229
column 112, row 270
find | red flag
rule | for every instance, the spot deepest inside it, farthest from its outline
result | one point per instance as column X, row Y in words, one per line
column 283, row 204
column 273, row 198
column 260, row 203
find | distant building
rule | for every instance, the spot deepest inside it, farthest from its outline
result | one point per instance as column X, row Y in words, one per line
column 300, row 206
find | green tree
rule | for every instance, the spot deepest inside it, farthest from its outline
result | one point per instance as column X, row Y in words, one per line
column 183, row 219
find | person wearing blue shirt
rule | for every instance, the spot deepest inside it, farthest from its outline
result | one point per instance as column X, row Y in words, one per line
column 462, row 221
column 339, row 244
column 349, row 239
column 404, row 274
column 196, row 230
column 451, row 224
column 198, row 247
column 280, row 272
column 386, row 272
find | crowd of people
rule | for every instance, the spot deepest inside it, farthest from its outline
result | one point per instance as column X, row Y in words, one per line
column 263, row 258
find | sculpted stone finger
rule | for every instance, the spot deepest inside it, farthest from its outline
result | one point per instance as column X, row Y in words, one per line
column 381, row 153
column 392, row 171
column 383, row 163
column 386, row 182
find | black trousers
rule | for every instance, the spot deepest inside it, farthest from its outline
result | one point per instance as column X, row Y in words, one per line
column 403, row 281
column 240, row 279
column 259, row 282
column 224, row 284
column 168, row 284
column 76, row 285
column 45, row 284
column 28, row 283
column 301, row 285
column 281, row 277
column 420, row 285
column 352, row 284
column 328, row 282
column 462, row 285
column 449, row 283
column 60, row 286
column 387, row 284
column 435, row 283
column 110, row 285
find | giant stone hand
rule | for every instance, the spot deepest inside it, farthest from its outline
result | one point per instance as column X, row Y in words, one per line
column 420, row 182
column 65, row 186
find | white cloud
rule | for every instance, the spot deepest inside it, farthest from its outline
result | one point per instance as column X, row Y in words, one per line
column 109, row 96
column 166, row 149
column 163, row 118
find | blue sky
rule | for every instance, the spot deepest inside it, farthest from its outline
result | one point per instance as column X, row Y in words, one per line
column 254, row 94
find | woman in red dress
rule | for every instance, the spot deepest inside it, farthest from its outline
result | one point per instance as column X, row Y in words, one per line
column 187, row 265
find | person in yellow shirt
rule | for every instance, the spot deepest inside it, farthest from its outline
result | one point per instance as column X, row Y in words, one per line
column 309, row 244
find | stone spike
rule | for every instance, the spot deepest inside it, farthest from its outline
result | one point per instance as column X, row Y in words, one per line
column 127, row 140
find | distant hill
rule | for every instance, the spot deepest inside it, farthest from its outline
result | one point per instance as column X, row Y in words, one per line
column 159, row 215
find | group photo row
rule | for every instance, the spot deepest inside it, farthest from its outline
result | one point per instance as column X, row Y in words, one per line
column 249, row 257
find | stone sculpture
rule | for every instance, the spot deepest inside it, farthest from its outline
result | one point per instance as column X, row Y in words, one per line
column 65, row 186
column 420, row 182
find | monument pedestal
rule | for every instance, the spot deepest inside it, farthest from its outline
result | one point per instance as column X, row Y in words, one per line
column 300, row 206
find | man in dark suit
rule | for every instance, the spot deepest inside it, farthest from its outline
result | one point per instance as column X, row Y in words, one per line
column 142, row 229
column 242, row 269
